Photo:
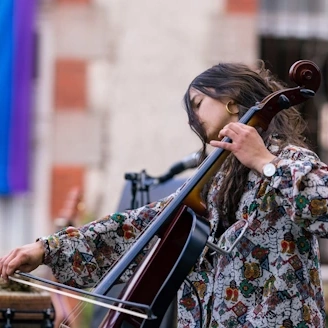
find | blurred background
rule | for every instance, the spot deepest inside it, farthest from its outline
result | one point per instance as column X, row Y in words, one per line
column 92, row 89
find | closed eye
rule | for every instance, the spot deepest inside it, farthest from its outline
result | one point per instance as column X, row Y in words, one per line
column 196, row 101
column 198, row 104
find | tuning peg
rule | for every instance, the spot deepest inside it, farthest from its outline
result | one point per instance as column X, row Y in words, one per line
column 307, row 93
column 284, row 102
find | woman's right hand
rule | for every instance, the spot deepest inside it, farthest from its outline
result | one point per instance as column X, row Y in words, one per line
column 25, row 259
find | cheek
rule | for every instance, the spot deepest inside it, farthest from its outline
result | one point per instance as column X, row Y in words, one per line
column 221, row 122
column 226, row 118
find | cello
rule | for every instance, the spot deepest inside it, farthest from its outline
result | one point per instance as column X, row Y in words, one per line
column 181, row 230
column 186, row 235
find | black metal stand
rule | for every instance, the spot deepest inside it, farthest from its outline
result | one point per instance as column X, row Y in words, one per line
column 140, row 184
column 47, row 317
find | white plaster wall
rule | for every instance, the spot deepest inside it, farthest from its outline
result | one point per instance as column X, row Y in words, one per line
column 142, row 56
column 159, row 47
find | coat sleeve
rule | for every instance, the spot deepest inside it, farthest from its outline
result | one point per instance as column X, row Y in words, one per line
column 79, row 257
column 302, row 182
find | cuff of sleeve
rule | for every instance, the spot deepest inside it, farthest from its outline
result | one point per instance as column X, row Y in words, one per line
column 47, row 251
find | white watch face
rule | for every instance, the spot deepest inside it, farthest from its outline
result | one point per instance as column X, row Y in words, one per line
column 269, row 170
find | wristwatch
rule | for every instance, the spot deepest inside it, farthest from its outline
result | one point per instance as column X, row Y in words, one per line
column 269, row 169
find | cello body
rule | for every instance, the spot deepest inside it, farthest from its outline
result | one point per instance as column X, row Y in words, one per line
column 181, row 245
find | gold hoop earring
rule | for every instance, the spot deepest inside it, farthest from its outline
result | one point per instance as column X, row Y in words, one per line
column 228, row 110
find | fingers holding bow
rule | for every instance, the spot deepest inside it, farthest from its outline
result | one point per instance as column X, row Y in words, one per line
column 25, row 258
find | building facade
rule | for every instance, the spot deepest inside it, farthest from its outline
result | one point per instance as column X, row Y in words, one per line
column 108, row 86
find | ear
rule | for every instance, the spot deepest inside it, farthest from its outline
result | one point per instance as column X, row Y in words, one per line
column 231, row 108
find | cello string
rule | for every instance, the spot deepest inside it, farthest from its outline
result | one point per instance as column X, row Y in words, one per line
column 71, row 319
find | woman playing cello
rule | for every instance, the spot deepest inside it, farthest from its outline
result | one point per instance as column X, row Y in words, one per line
column 270, row 178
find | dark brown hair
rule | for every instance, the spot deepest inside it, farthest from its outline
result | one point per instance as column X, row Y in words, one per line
column 245, row 86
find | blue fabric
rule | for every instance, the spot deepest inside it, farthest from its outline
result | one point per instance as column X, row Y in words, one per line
column 6, row 69
column 16, row 65
column 19, row 142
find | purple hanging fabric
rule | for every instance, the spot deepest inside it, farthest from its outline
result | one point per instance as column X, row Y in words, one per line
column 23, row 48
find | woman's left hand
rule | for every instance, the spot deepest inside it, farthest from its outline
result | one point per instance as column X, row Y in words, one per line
column 247, row 145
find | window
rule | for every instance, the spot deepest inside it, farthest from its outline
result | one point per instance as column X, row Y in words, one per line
column 292, row 6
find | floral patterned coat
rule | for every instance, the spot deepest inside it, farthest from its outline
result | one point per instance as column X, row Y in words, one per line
column 272, row 277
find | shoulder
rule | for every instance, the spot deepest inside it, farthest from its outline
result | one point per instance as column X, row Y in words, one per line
column 298, row 153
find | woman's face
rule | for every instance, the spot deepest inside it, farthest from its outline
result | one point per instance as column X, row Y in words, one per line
column 211, row 113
